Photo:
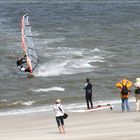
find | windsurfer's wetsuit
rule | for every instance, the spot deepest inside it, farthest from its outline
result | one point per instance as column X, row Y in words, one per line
column 88, row 94
column 20, row 66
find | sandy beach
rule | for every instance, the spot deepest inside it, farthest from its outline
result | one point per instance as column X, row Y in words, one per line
column 99, row 125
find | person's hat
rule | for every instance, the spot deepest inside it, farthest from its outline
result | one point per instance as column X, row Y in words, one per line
column 58, row 101
column 137, row 84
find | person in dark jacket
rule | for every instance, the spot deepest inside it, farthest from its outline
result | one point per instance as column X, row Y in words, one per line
column 88, row 94
column 19, row 63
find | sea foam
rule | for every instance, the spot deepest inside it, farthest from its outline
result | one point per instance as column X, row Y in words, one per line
column 49, row 89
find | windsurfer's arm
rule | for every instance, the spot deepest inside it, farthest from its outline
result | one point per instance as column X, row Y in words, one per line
column 24, row 56
column 23, row 59
column 24, row 62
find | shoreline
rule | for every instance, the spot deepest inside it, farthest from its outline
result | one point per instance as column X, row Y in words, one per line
column 97, row 125
column 67, row 107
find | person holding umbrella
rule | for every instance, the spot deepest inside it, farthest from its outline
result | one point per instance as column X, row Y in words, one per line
column 124, row 86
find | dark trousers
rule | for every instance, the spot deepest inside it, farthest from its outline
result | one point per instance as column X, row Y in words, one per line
column 89, row 100
column 60, row 120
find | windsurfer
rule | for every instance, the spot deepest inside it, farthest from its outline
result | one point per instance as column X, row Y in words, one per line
column 21, row 61
column 88, row 93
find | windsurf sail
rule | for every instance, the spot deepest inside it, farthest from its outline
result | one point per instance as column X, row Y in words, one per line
column 28, row 44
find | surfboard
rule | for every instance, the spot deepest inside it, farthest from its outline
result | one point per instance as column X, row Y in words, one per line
column 98, row 107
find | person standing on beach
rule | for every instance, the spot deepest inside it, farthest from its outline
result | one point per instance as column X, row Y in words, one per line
column 124, row 86
column 88, row 94
column 125, row 92
column 137, row 94
column 59, row 112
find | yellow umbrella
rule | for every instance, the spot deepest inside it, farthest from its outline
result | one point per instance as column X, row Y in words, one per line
column 124, row 82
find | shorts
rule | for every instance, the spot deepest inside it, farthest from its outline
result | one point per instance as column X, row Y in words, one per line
column 60, row 120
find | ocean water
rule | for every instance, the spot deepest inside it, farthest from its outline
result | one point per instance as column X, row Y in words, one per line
column 97, row 39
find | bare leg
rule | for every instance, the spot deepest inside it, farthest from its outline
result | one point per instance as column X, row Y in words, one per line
column 63, row 129
column 137, row 103
column 60, row 131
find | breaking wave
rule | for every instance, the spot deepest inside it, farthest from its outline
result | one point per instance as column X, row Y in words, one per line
column 48, row 89
column 65, row 61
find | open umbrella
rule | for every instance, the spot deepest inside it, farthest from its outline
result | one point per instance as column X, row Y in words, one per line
column 124, row 82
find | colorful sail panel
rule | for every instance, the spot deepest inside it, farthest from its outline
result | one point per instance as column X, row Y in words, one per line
column 28, row 44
